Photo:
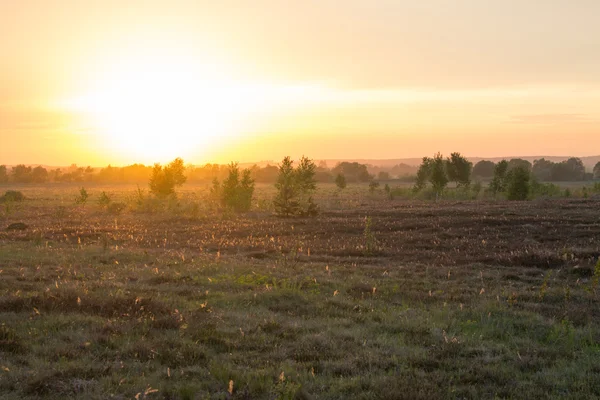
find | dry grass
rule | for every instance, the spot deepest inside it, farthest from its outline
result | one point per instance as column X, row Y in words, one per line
column 457, row 300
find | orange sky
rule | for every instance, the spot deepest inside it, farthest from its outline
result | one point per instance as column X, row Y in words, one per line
column 97, row 82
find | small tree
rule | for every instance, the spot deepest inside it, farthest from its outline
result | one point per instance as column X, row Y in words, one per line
column 164, row 179
column 104, row 200
column 83, row 197
column 295, row 188
column 499, row 182
column 340, row 181
column 459, row 170
column 438, row 177
column 235, row 193
column 518, row 183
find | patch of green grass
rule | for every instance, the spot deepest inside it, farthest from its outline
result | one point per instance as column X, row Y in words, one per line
column 454, row 304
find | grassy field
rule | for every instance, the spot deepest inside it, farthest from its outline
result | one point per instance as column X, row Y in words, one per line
column 374, row 299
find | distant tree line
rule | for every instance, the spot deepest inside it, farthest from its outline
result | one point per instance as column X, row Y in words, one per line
column 542, row 169
column 138, row 173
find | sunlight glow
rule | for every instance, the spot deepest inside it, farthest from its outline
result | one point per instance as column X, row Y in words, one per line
column 157, row 111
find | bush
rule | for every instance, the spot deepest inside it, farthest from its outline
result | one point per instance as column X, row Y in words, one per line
column 537, row 189
column 12, row 195
column 373, row 186
column 340, row 181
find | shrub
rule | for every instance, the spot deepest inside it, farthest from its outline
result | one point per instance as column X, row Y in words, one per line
column 340, row 181
column 537, row 189
column 164, row 179
column 373, row 185
column 104, row 200
column 12, row 195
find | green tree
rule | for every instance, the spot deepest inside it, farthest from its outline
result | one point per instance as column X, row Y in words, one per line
column 236, row 191
column 340, row 181
column 498, row 183
column 459, row 170
column 285, row 202
column 438, row 177
column 518, row 183
column 423, row 174
column 163, row 180
column 295, row 187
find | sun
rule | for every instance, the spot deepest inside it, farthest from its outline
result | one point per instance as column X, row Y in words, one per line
column 154, row 111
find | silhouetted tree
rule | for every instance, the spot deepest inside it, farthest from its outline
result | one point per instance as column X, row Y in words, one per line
column 164, row 179
column 459, row 169
column 484, row 169
column 39, row 175
column 21, row 173
column 597, row 170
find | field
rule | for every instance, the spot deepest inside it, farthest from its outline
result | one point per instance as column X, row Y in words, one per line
column 373, row 299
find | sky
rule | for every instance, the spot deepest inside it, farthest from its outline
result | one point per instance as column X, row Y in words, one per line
column 99, row 82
